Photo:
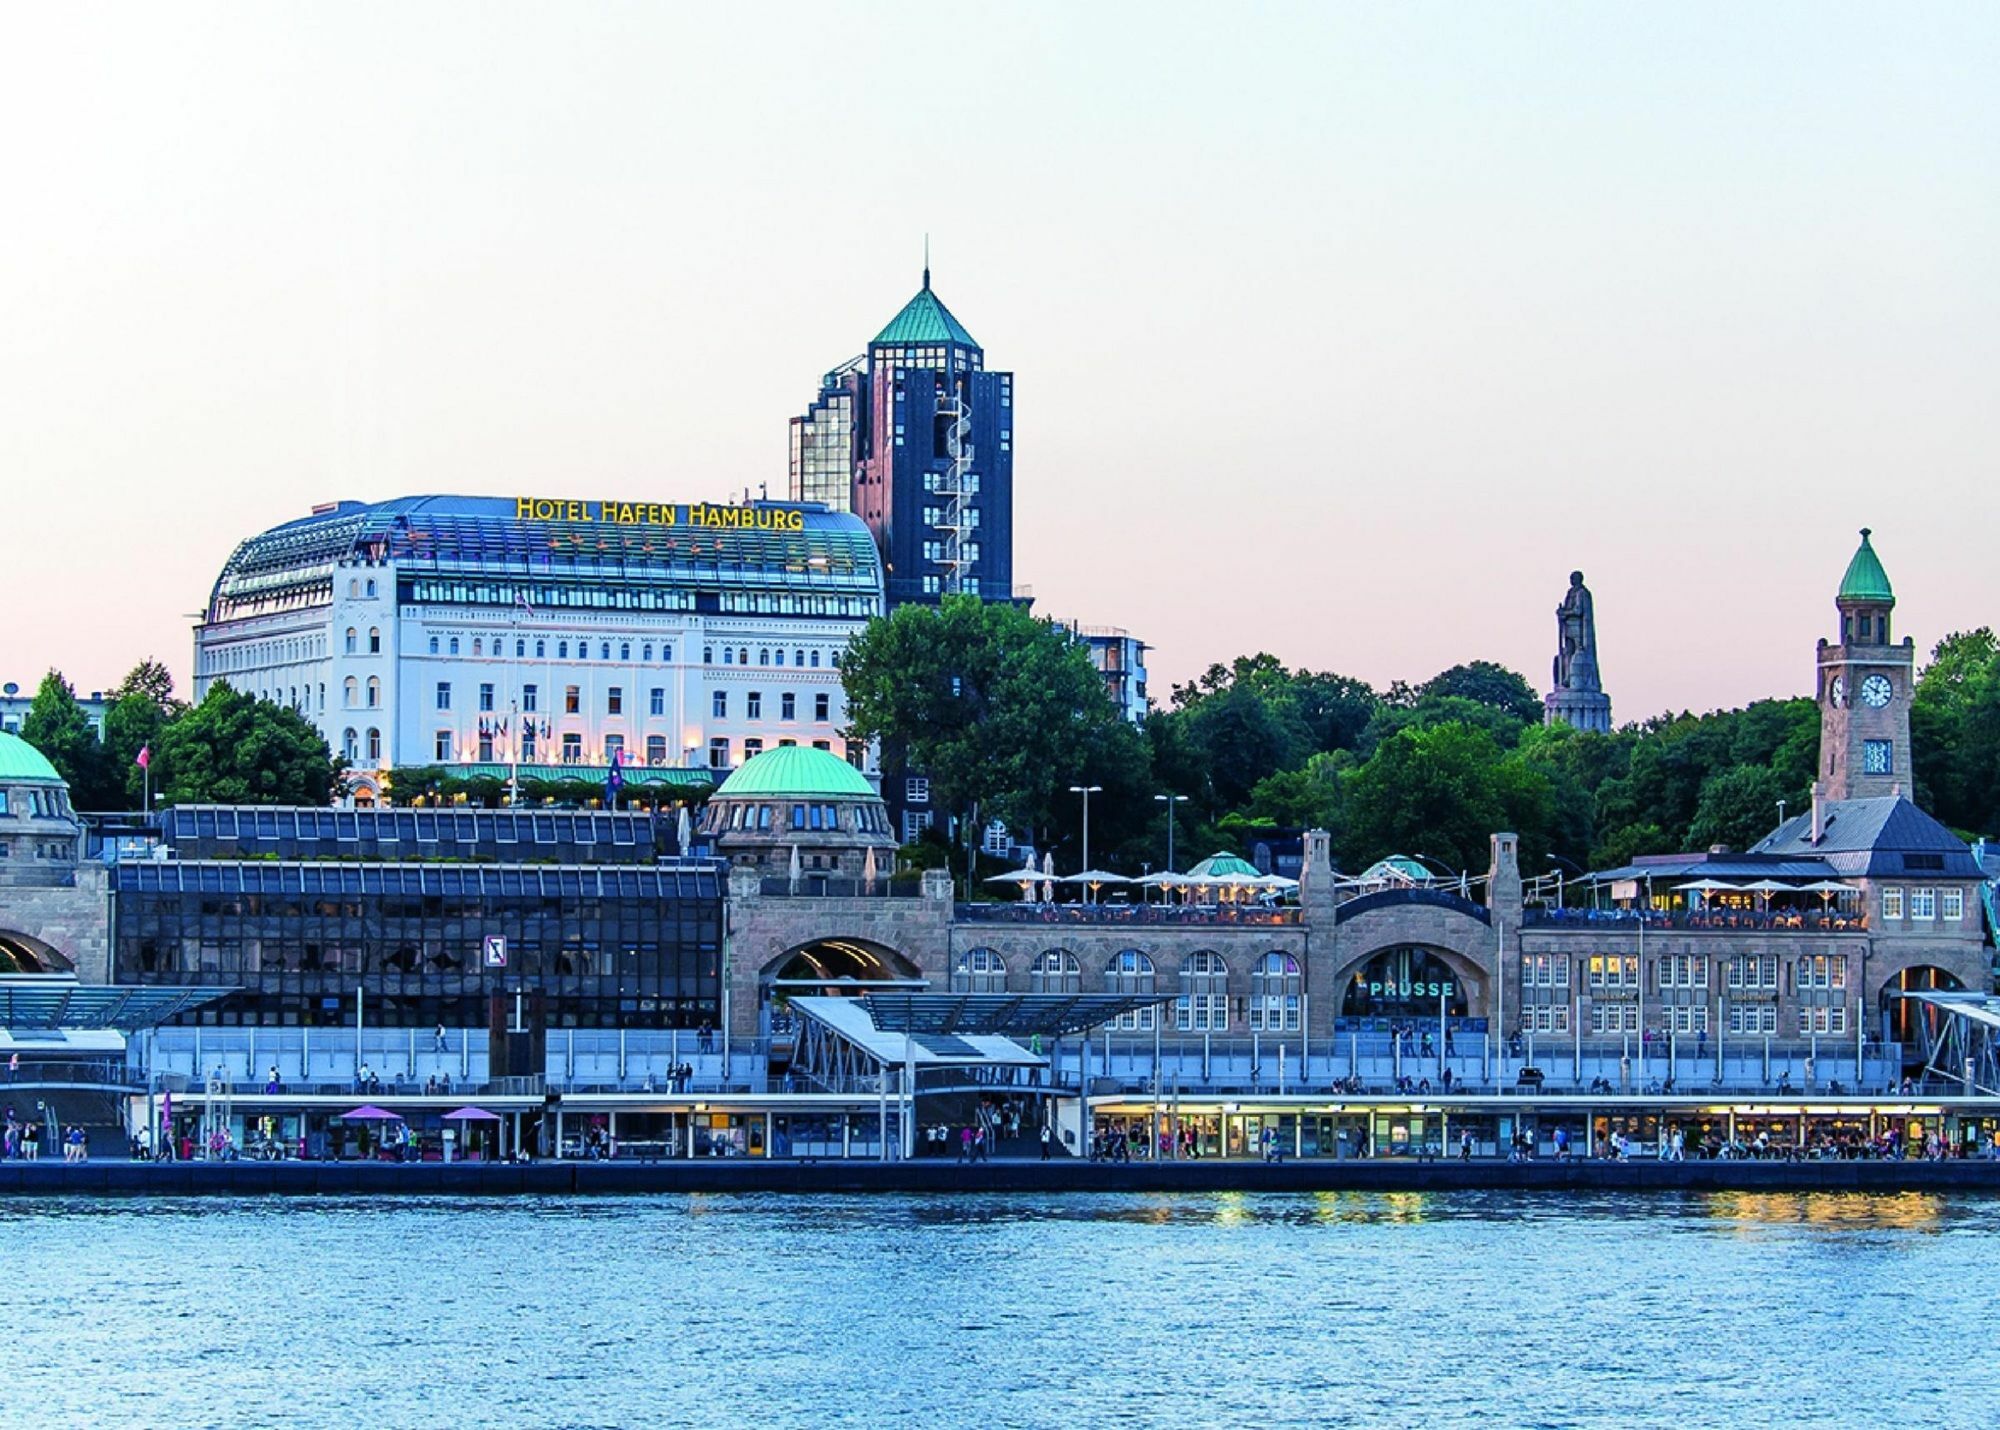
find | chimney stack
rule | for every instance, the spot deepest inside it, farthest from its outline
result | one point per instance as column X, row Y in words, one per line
column 1818, row 810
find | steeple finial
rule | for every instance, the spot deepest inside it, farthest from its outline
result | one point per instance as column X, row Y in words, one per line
column 927, row 263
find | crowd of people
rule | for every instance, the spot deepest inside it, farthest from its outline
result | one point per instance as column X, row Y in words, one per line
column 21, row 1138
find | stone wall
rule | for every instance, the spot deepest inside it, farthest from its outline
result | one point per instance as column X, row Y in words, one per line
column 75, row 921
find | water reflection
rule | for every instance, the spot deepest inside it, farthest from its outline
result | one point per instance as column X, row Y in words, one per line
column 1441, row 1309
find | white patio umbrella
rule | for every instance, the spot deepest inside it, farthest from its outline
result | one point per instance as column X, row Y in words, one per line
column 1767, row 887
column 795, row 868
column 1093, row 879
column 1023, row 879
column 1703, row 886
column 1048, row 876
column 868, row 868
column 685, row 830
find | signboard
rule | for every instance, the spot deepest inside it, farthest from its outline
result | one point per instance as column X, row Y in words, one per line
column 1624, row 890
column 644, row 513
column 496, row 950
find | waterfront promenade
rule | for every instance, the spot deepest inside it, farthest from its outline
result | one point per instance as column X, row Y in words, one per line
column 809, row 1178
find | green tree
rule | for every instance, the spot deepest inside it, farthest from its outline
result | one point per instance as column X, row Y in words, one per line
column 1955, row 731
column 1489, row 684
column 142, row 705
column 152, row 680
column 56, row 725
column 1738, row 806
column 1441, row 792
column 1002, row 712
column 235, row 749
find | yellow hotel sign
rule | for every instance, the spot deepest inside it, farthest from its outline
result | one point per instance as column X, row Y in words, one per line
column 646, row 513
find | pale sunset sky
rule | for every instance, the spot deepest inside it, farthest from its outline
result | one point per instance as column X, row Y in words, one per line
column 1343, row 332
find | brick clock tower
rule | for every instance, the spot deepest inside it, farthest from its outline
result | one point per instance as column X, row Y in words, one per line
column 1865, row 685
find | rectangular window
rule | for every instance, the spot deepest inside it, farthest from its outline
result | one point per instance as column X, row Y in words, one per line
column 1892, row 903
column 443, row 746
column 614, row 700
column 530, row 698
column 572, row 749
column 822, row 707
column 753, row 705
column 916, row 790
column 1951, row 905
column 1836, row 1018
column 444, row 695
column 485, row 696
column 718, row 704
column 658, row 704
column 572, row 700
column 718, row 753
column 915, row 822
column 1923, row 904
column 788, row 706
column 752, row 747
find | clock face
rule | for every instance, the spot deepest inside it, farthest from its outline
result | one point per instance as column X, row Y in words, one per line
column 1876, row 690
column 1837, row 692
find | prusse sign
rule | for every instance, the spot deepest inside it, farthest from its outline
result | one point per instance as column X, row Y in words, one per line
column 651, row 513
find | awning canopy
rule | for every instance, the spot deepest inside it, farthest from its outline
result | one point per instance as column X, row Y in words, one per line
column 38, row 1001
column 1011, row 1015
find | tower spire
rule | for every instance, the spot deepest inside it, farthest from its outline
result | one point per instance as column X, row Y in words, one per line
column 927, row 263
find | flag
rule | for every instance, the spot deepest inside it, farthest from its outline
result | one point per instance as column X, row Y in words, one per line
column 144, row 759
column 521, row 600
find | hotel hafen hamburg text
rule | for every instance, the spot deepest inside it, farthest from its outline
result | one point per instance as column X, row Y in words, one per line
column 1801, row 947
column 546, row 638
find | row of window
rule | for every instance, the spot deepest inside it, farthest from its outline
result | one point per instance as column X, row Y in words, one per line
column 805, row 658
column 1923, row 905
column 1685, row 970
column 568, row 748
column 753, row 705
column 1274, row 1006
column 1744, row 1018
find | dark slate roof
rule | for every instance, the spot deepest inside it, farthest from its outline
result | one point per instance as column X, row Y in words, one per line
column 1662, row 867
column 1883, row 838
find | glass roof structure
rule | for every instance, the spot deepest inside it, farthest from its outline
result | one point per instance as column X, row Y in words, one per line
column 502, row 556
column 39, row 1002
column 1006, row 1015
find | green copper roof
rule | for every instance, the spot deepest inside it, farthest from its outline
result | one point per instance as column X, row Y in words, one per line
column 20, row 760
column 1865, row 579
column 925, row 320
column 796, row 772
column 1223, row 866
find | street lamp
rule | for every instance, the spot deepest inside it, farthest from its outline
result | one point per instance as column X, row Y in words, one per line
column 1086, row 791
column 1170, row 800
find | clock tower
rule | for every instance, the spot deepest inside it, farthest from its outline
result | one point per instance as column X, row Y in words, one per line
column 1864, row 690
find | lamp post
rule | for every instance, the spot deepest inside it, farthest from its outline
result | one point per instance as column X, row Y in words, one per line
column 1086, row 791
column 1170, row 800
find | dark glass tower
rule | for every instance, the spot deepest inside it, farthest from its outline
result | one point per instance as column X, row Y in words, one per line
column 916, row 438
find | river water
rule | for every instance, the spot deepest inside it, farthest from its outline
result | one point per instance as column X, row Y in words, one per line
column 1419, row 1309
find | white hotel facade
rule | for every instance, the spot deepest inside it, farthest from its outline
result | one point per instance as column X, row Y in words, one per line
column 491, row 635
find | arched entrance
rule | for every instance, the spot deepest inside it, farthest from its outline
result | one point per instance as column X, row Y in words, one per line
column 824, row 968
column 19, row 953
column 1405, row 981
column 1907, row 1021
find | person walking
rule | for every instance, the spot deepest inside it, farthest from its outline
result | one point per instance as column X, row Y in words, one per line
column 438, row 1044
column 1465, row 1144
column 965, row 1144
column 1048, row 1137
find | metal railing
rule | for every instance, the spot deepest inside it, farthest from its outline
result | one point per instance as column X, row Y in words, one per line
column 1766, row 921
column 66, row 1073
column 1165, row 915
column 820, row 886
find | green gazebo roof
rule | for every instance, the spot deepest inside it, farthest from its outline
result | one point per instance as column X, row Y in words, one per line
column 20, row 760
column 796, row 772
column 925, row 320
column 1865, row 579
column 1223, row 866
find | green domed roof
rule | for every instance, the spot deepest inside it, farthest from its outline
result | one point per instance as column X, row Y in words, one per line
column 796, row 772
column 1865, row 579
column 20, row 760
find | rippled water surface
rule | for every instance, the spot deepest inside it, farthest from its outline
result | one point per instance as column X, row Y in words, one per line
column 1437, row 1310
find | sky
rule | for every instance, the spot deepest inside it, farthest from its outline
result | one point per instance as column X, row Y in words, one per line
column 1342, row 332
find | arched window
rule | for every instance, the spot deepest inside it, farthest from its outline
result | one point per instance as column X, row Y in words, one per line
column 624, row 650
column 349, row 688
column 478, row 646
column 562, row 650
column 979, row 970
column 454, row 645
column 374, row 743
column 728, row 656
column 371, row 586
column 799, row 657
column 1203, row 1006
column 604, row 650
column 743, row 655
column 374, row 640
column 541, row 650
column 815, row 660
column 763, row 657
column 349, row 747
column 374, row 692
column 646, row 652
column 434, row 645
column 1275, row 986
column 352, row 636
column 520, row 650
column 1055, row 970
column 1130, row 972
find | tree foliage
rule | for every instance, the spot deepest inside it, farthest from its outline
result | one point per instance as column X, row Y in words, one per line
column 235, row 749
column 57, row 726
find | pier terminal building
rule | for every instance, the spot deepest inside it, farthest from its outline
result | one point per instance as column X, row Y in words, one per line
column 772, row 986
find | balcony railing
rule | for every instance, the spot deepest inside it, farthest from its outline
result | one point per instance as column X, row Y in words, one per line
column 1123, row 914
column 1759, row 920
column 812, row 886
